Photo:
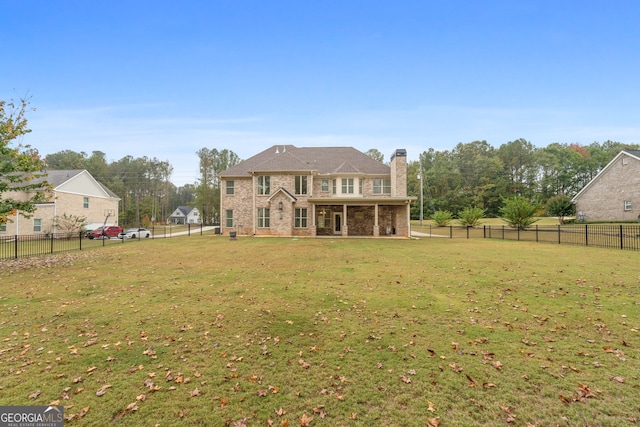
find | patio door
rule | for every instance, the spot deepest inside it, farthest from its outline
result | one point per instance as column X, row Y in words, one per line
column 337, row 223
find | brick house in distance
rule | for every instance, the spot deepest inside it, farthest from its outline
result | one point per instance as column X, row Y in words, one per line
column 613, row 194
column 73, row 192
column 316, row 191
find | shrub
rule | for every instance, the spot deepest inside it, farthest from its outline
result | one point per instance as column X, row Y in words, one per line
column 470, row 216
column 560, row 205
column 442, row 218
column 518, row 212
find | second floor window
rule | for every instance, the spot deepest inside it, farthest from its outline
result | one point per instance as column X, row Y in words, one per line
column 381, row 186
column 627, row 205
column 85, row 203
column 264, row 185
column 301, row 184
column 347, row 185
column 230, row 186
column 324, row 185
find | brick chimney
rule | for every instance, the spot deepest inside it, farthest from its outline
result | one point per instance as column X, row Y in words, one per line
column 399, row 173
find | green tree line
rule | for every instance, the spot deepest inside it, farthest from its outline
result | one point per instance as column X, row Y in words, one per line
column 477, row 174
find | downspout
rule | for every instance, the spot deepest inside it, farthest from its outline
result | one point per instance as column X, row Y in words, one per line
column 55, row 206
column 408, row 204
column 253, row 201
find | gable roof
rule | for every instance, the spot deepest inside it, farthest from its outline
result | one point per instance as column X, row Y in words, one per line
column 184, row 210
column 59, row 177
column 321, row 160
column 631, row 153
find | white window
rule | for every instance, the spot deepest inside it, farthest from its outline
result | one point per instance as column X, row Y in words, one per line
column 627, row 205
column 264, row 185
column 263, row 217
column 3, row 227
column 301, row 184
column 300, row 218
column 85, row 203
column 381, row 186
column 324, row 185
column 228, row 221
column 230, row 187
column 37, row 225
column 347, row 185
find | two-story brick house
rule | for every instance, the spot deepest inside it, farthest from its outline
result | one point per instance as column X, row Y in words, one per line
column 72, row 193
column 316, row 191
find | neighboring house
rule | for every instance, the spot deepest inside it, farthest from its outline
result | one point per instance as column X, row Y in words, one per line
column 74, row 193
column 316, row 191
column 614, row 194
column 184, row 215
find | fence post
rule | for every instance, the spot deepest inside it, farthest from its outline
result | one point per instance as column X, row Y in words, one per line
column 536, row 233
column 621, row 238
column 451, row 231
column 467, row 231
column 15, row 246
column 484, row 231
column 518, row 233
column 80, row 241
column 503, row 232
column 189, row 229
column 558, row 233
column 586, row 235
column 51, row 243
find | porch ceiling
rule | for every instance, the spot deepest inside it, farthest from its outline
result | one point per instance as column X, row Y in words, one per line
column 361, row 200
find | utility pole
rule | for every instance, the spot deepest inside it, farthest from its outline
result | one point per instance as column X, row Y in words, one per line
column 421, row 204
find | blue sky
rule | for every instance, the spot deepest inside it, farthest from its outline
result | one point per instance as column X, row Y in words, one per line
column 166, row 78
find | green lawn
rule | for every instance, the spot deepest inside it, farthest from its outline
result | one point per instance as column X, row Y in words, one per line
column 202, row 330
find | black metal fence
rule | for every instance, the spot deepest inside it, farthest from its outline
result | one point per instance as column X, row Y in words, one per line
column 20, row 246
column 618, row 236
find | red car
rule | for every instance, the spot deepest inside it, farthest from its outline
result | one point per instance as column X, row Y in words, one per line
column 105, row 232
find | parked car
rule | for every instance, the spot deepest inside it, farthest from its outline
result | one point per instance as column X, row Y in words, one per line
column 104, row 232
column 134, row 233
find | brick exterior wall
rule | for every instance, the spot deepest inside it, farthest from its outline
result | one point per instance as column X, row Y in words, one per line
column 399, row 173
column 360, row 220
column 603, row 199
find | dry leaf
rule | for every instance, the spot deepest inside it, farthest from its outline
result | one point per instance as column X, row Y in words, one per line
column 194, row 393
column 102, row 390
column 34, row 395
column 305, row 420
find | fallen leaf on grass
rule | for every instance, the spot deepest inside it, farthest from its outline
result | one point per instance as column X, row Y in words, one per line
column 102, row 390
column 194, row 393
column 430, row 408
column 405, row 379
column 34, row 395
column 433, row 422
column 305, row 420
column 618, row 379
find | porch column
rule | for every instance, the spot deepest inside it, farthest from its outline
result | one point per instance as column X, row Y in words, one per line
column 376, row 227
column 345, row 229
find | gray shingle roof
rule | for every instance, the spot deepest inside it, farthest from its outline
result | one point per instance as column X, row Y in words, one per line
column 322, row 160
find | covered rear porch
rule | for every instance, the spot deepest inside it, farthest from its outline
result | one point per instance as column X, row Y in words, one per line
column 380, row 218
